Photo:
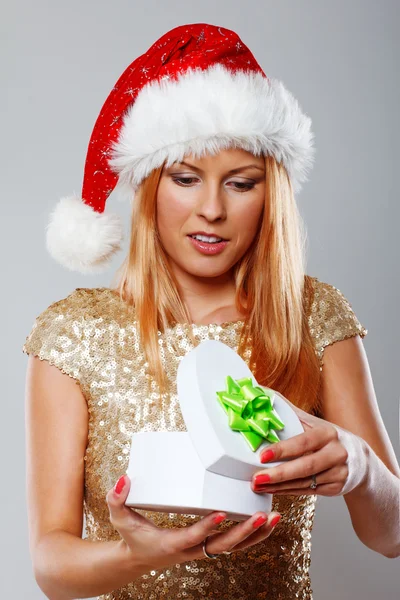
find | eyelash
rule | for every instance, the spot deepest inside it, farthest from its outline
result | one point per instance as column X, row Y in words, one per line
column 248, row 186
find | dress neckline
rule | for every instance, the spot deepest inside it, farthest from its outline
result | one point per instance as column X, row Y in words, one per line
column 208, row 325
column 223, row 325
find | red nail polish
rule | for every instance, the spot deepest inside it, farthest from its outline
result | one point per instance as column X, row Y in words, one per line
column 260, row 479
column 263, row 489
column 218, row 519
column 260, row 521
column 119, row 486
column 275, row 520
column 266, row 456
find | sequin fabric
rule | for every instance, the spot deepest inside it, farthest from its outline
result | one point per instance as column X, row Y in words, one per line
column 92, row 336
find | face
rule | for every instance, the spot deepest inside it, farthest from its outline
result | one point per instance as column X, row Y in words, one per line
column 221, row 195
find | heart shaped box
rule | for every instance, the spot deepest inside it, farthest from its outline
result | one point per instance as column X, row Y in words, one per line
column 209, row 467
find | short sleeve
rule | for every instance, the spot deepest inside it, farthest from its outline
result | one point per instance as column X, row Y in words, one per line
column 332, row 318
column 56, row 336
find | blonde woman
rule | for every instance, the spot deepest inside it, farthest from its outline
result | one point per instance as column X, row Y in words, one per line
column 210, row 153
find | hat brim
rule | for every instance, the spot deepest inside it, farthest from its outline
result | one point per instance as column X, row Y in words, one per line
column 204, row 111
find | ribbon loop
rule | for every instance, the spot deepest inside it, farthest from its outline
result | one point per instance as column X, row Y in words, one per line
column 250, row 411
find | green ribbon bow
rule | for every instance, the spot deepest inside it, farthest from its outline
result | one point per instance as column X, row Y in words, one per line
column 250, row 411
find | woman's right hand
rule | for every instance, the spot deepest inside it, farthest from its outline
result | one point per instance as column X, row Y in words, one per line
column 153, row 547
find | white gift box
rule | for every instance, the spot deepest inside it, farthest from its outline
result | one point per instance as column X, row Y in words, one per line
column 209, row 467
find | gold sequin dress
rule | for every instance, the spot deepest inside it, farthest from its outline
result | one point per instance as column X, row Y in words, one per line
column 91, row 336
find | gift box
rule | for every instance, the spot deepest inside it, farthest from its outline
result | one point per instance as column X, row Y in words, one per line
column 230, row 420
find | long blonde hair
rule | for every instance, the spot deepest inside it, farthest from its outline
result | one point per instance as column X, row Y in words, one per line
column 270, row 277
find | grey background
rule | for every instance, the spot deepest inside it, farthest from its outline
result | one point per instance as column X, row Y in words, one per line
column 60, row 60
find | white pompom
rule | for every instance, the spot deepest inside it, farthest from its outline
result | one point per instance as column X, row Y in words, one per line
column 80, row 238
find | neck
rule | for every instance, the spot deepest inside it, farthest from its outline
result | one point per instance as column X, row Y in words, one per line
column 205, row 296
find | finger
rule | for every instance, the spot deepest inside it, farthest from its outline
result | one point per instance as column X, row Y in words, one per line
column 299, row 468
column 236, row 534
column 309, row 441
column 188, row 537
column 261, row 534
column 119, row 512
column 218, row 544
column 295, row 446
column 336, row 475
column 328, row 489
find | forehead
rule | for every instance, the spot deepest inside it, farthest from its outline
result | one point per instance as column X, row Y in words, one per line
column 230, row 159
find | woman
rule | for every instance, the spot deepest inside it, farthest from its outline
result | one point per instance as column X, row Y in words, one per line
column 208, row 146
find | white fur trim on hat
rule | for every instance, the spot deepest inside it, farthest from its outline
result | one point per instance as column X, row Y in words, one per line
column 80, row 238
column 206, row 111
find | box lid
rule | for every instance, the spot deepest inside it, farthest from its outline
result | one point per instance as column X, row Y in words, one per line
column 201, row 373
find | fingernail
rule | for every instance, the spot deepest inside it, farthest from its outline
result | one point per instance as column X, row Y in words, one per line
column 119, row 486
column 259, row 521
column 219, row 518
column 266, row 455
column 260, row 479
column 275, row 520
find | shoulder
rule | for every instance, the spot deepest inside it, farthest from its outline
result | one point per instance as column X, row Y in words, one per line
column 331, row 316
column 62, row 333
column 59, row 326
column 80, row 303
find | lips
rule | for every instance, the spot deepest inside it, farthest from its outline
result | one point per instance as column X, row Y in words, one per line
column 209, row 248
column 208, row 235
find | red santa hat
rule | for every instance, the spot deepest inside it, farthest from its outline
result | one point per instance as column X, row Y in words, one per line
column 198, row 89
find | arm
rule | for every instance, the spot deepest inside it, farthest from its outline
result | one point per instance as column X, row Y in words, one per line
column 348, row 400
column 65, row 566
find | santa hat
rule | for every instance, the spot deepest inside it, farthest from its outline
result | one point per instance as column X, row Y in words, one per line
column 198, row 89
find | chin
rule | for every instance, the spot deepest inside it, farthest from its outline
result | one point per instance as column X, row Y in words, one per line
column 210, row 271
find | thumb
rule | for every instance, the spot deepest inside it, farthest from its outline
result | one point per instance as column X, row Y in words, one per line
column 116, row 498
column 119, row 512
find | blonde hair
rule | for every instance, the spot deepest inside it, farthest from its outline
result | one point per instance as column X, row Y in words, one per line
column 270, row 277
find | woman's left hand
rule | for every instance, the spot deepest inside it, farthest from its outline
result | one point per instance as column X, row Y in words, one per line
column 337, row 457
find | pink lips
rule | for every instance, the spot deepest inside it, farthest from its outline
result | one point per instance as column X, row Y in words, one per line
column 208, row 234
column 206, row 248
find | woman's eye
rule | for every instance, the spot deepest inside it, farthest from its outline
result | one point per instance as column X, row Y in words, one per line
column 247, row 186
column 177, row 179
column 239, row 184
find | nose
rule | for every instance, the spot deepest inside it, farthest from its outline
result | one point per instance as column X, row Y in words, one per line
column 211, row 204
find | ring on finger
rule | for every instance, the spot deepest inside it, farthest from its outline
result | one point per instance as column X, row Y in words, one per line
column 207, row 554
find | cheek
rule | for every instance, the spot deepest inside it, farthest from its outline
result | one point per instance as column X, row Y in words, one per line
column 172, row 212
column 247, row 220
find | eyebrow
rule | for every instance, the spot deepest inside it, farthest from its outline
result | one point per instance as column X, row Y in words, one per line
column 252, row 166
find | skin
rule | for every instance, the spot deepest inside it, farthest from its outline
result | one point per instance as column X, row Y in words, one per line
column 210, row 203
column 211, row 200
column 348, row 400
column 66, row 566
column 204, row 196
column 57, row 417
